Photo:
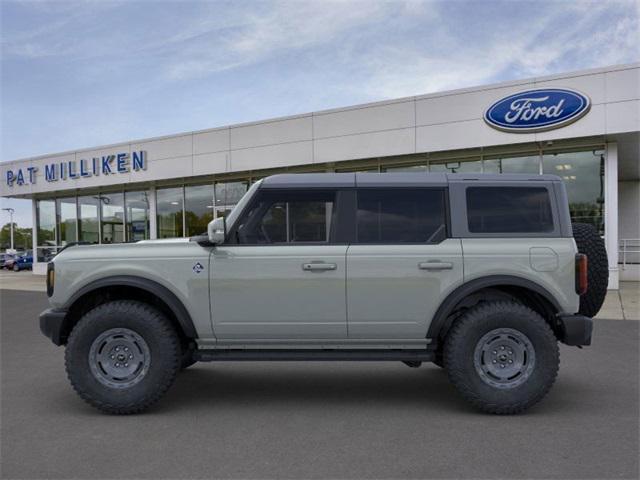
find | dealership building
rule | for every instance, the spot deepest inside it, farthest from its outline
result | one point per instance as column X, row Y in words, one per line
column 582, row 126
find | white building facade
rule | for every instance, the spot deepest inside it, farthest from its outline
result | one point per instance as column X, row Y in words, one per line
column 173, row 186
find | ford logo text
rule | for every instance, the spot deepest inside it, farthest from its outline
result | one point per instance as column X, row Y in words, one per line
column 537, row 110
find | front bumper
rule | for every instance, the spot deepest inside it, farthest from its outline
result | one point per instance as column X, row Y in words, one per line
column 52, row 323
column 575, row 329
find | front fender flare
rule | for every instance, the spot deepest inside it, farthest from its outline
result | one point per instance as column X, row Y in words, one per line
column 163, row 293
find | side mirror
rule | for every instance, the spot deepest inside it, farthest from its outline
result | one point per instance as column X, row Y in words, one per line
column 217, row 231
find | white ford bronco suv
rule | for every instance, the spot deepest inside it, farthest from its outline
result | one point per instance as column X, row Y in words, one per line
column 480, row 274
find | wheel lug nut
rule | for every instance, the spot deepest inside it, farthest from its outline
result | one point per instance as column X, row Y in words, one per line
column 495, row 352
column 130, row 357
column 117, row 364
column 502, row 347
column 502, row 365
column 113, row 357
column 495, row 361
column 510, row 361
column 126, row 364
column 117, row 349
column 126, row 349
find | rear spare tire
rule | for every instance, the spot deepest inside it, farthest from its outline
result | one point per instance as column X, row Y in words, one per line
column 590, row 243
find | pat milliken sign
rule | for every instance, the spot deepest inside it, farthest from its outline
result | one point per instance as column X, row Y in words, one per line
column 537, row 110
column 105, row 165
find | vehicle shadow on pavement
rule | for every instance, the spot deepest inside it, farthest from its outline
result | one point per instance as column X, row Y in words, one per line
column 314, row 385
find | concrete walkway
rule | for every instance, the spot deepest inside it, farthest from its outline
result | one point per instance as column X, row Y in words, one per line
column 623, row 304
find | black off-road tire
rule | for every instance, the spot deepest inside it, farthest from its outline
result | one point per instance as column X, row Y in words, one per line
column 592, row 245
column 162, row 345
column 468, row 332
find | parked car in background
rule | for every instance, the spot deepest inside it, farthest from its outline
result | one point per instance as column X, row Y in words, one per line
column 23, row 262
column 6, row 258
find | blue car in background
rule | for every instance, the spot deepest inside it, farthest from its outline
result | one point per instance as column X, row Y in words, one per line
column 23, row 262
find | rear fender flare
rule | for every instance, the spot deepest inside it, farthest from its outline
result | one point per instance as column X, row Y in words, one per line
column 441, row 321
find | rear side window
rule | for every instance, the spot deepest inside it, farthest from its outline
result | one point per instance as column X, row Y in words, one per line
column 509, row 210
column 401, row 216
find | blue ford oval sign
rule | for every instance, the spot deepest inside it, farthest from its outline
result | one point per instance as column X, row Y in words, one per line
column 537, row 110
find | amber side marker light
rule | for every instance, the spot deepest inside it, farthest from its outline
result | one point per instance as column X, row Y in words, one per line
column 582, row 281
column 51, row 278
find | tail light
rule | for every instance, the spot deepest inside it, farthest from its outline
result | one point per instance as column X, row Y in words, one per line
column 582, row 281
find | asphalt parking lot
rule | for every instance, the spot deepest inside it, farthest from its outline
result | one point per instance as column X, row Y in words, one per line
column 316, row 420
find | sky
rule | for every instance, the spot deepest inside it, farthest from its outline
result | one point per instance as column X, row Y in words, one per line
column 87, row 73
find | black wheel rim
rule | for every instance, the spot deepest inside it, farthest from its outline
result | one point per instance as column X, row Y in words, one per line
column 119, row 358
column 504, row 358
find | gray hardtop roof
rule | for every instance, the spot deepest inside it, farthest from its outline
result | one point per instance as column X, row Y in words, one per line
column 404, row 179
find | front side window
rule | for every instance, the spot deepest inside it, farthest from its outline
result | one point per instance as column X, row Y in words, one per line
column 509, row 210
column 401, row 216
column 288, row 217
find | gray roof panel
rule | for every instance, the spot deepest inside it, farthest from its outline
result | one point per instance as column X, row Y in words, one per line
column 399, row 179
column 310, row 180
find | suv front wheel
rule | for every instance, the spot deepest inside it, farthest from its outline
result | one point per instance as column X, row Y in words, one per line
column 502, row 357
column 122, row 356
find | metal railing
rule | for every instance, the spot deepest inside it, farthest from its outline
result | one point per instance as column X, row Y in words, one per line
column 629, row 251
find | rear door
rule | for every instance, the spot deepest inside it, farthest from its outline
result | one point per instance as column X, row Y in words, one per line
column 402, row 262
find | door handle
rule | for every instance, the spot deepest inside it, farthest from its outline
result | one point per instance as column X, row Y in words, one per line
column 318, row 267
column 435, row 265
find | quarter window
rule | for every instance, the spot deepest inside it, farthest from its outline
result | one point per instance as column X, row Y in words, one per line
column 289, row 217
column 401, row 216
column 509, row 210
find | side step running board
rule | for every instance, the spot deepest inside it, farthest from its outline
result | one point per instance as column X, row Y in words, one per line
column 314, row 355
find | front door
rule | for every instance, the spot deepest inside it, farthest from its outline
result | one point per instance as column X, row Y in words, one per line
column 281, row 276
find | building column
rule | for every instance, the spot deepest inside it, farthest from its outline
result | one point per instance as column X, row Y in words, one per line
column 153, row 218
column 36, row 269
column 611, row 212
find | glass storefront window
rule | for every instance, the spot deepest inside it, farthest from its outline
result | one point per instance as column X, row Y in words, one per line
column 137, row 216
column 88, row 227
column 407, row 168
column 198, row 208
column 528, row 164
column 583, row 175
column 112, row 217
column 46, row 227
column 169, row 212
column 227, row 195
column 469, row 166
column 67, row 220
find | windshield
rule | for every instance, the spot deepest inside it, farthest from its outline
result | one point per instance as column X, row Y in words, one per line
column 233, row 216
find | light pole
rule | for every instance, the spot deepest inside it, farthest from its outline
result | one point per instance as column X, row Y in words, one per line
column 11, row 212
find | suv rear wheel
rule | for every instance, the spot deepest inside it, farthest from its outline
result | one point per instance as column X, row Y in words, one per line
column 502, row 357
column 122, row 356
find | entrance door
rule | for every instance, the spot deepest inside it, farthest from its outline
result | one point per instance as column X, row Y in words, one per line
column 281, row 276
